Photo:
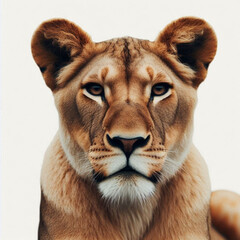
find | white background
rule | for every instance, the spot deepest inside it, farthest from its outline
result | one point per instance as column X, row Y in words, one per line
column 28, row 116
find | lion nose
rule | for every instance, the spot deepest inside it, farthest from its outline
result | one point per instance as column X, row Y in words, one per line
column 128, row 145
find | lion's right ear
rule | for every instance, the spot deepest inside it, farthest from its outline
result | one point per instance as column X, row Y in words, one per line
column 188, row 45
column 54, row 45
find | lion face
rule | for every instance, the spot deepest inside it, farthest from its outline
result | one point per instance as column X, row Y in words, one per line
column 126, row 105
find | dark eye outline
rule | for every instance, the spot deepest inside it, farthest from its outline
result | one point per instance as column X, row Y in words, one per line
column 165, row 86
column 88, row 87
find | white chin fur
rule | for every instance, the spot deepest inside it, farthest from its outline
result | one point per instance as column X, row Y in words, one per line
column 126, row 189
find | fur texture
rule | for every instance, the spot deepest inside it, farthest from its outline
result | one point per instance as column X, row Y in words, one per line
column 122, row 165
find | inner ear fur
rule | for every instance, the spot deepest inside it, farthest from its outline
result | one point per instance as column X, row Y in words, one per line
column 188, row 45
column 54, row 45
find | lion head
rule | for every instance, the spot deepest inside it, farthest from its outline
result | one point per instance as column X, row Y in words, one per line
column 125, row 105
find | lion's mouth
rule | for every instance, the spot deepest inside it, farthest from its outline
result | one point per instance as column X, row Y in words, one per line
column 126, row 172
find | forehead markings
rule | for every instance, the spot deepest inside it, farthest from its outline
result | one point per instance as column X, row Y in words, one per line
column 111, row 82
column 146, row 75
column 151, row 78
column 131, row 51
column 126, row 59
column 104, row 73
column 150, row 72
column 148, row 87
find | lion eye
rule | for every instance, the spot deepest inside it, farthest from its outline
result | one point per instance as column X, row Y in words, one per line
column 94, row 89
column 160, row 89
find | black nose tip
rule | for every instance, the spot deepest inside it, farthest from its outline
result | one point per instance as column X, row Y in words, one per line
column 128, row 145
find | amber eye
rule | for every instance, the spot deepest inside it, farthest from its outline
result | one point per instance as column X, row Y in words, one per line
column 160, row 89
column 94, row 88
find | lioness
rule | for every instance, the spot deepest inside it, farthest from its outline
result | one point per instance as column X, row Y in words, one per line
column 123, row 165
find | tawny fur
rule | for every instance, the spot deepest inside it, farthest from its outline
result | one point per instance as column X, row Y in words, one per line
column 168, row 195
column 225, row 211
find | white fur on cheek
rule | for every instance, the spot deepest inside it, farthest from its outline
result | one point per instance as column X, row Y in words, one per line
column 141, row 163
column 121, row 189
column 110, row 162
column 176, row 156
column 115, row 164
column 77, row 159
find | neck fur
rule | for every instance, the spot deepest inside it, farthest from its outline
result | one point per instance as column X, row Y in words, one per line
column 73, row 195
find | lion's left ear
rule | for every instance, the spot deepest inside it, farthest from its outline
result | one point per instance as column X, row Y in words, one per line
column 55, row 44
column 189, row 45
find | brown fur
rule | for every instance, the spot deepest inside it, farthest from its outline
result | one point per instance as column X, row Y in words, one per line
column 225, row 211
column 168, row 198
